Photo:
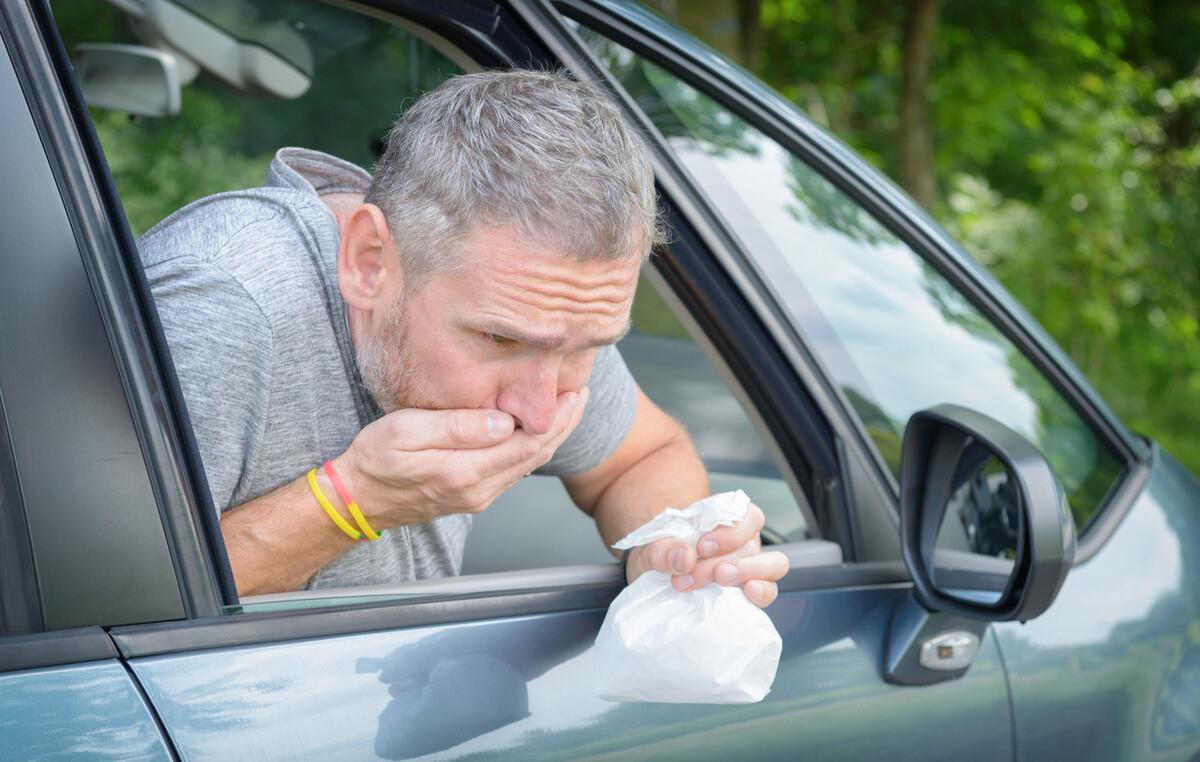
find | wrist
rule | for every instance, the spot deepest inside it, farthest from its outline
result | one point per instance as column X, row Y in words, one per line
column 346, row 495
column 356, row 484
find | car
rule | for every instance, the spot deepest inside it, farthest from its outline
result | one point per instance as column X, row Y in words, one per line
column 986, row 562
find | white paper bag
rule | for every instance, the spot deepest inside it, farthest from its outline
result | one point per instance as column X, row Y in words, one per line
column 706, row 646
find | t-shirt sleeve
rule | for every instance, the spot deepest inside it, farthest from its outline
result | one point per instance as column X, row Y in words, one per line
column 611, row 405
column 220, row 342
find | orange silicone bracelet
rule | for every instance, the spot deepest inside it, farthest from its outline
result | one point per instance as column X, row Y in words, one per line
column 330, row 511
column 348, row 499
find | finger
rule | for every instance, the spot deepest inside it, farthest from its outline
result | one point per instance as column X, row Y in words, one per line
column 761, row 593
column 704, row 570
column 504, row 465
column 413, row 429
column 669, row 556
column 724, row 540
column 552, row 441
column 535, row 450
column 770, row 566
column 520, row 445
column 566, row 417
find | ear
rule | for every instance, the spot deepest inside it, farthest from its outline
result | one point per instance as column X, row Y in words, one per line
column 369, row 268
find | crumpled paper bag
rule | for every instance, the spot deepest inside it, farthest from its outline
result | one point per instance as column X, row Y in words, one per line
column 706, row 646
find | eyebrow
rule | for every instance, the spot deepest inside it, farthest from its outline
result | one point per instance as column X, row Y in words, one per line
column 546, row 341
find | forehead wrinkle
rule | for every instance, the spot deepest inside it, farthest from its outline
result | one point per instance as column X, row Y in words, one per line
column 566, row 303
column 568, row 273
column 570, row 301
column 556, row 290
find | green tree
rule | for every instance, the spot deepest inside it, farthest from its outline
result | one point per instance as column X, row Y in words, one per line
column 1065, row 143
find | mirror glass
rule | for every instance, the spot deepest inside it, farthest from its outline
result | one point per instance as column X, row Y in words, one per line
column 978, row 536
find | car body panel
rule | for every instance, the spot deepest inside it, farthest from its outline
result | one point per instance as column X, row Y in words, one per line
column 522, row 688
column 1111, row 671
column 86, row 711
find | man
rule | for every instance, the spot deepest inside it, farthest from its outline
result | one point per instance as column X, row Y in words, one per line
column 435, row 332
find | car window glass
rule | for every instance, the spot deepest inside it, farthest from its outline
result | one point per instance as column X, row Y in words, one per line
column 894, row 334
column 676, row 372
column 229, row 124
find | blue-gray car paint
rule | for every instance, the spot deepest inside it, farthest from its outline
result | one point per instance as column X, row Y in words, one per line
column 80, row 711
column 1111, row 671
column 523, row 688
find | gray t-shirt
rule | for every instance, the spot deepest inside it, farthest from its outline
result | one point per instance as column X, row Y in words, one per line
column 246, row 288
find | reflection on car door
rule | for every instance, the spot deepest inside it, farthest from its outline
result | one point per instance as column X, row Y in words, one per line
column 520, row 687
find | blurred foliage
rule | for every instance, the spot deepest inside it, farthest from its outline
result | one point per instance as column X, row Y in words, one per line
column 224, row 139
column 1066, row 134
column 1067, row 150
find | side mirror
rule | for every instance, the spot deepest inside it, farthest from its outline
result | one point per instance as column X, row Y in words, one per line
column 986, row 531
column 130, row 78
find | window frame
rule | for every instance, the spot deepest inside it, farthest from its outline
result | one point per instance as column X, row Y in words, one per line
column 121, row 293
column 717, row 79
column 188, row 520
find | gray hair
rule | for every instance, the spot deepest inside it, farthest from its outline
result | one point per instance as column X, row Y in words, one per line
column 536, row 151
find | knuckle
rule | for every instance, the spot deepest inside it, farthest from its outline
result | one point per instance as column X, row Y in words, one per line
column 530, row 448
column 659, row 555
column 478, row 504
column 757, row 518
column 452, row 484
column 468, row 499
column 772, row 592
column 458, row 428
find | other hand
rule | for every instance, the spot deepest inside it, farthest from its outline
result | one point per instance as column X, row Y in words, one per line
column 728, row 556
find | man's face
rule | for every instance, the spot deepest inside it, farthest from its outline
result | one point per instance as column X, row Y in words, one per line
column 513, row 327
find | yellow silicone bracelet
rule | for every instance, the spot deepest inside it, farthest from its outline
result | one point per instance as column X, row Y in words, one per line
column 348, row 500
column 342, row 524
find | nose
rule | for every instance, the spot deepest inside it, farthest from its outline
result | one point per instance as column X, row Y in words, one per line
column 532, row 397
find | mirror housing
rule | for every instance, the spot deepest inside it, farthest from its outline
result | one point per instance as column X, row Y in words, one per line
column 940, row 446
column 130, row 78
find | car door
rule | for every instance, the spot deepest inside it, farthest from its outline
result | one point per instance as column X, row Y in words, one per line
column 500, row 664
column 900, row 318
column 74, row 492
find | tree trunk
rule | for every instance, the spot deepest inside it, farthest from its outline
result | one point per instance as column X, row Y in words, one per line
column 916, row 140
column 749, row 12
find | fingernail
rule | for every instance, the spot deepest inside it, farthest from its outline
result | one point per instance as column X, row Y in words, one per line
column 499, row 425
column 572, row 399
column 685, row 582
column 708, row 548
column 679, row 559
column 726, row 574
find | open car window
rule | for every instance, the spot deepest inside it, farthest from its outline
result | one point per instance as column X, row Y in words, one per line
column 336, row 82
